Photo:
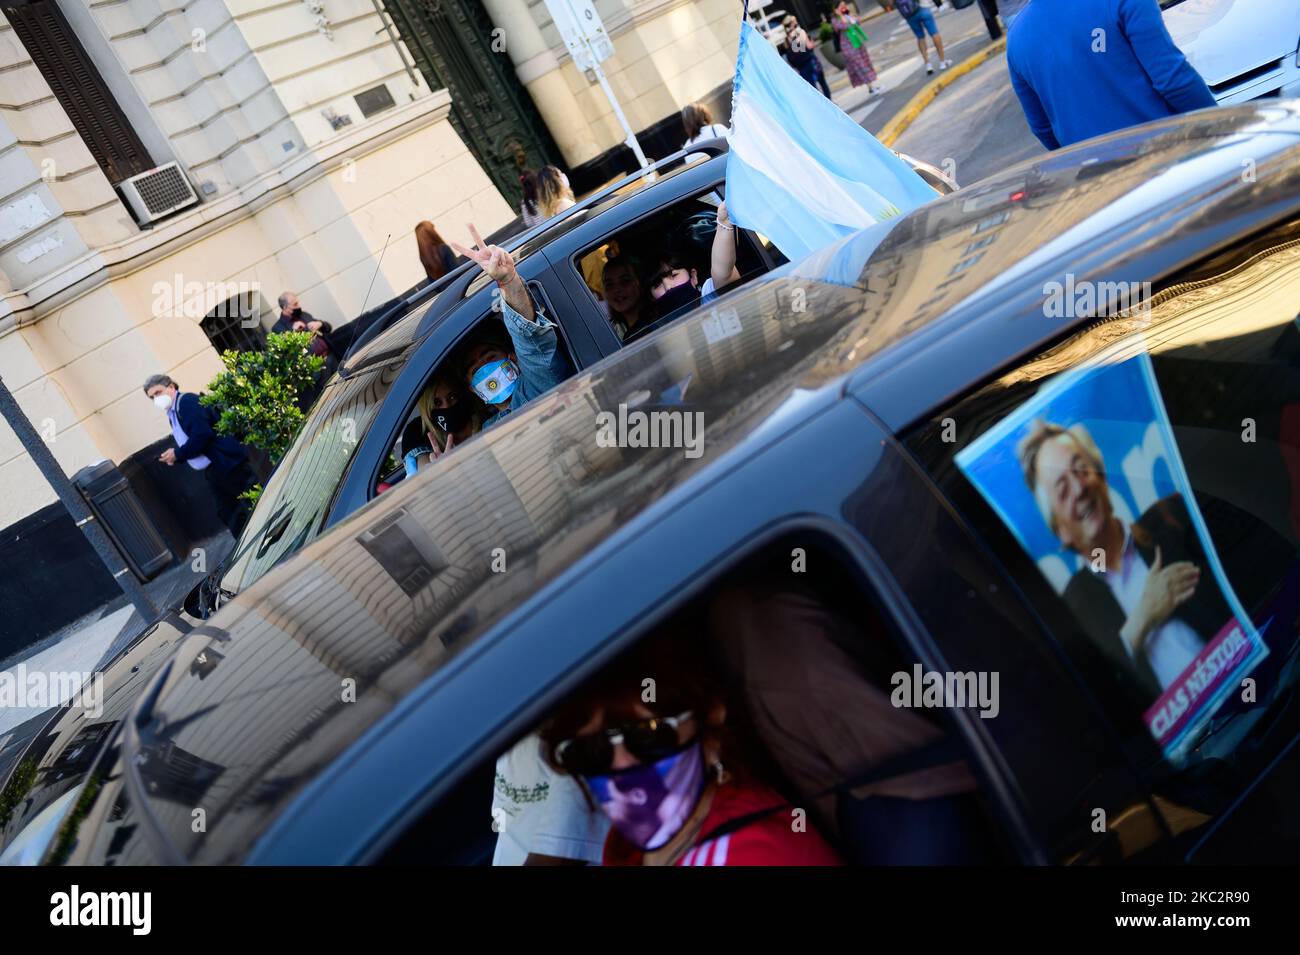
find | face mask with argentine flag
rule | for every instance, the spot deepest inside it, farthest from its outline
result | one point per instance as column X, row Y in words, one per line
column 495, row 382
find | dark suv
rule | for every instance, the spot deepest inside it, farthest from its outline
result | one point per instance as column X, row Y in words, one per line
column 857, row 413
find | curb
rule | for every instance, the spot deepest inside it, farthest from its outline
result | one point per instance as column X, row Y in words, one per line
column 908, row 114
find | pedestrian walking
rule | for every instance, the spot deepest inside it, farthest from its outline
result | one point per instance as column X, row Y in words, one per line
column 222, row 459
column 801, row 53
column 853, row 47
column 1082, row 68
column 919, row 15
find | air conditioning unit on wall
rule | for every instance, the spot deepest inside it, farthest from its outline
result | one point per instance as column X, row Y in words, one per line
column 157, row 193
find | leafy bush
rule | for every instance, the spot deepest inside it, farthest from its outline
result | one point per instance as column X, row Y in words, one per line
column 259, row 392
column 825, row 32
column 16, row 790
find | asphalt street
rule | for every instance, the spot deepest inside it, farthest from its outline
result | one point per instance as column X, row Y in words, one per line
column 976, row 122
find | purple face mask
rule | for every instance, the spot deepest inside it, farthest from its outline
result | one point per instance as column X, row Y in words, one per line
column 650, row 803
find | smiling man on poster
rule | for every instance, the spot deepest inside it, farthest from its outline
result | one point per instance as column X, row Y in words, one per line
column 1088, row 476
column 1135, row 591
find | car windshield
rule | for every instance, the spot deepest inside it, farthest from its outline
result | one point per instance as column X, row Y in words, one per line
column 296, row 502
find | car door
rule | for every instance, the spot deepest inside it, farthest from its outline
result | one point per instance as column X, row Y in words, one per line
column 1138, row 484
column 477, row 305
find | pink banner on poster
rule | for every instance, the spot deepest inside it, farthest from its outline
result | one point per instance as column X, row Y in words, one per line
column 1170, row 715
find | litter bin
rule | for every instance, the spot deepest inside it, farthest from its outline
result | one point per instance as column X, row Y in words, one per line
column 123, row 518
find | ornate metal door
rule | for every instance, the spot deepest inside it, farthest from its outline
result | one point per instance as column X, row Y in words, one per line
column 452, row 43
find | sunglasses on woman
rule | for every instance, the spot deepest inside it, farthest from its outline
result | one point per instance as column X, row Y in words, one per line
column 592, row 754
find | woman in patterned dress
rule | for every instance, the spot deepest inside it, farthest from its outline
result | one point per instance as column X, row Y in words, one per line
column 853, row 47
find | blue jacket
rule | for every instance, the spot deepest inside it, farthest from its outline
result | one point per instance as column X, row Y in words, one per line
column 196, row 421
column 542, row 365
column 1082, row 68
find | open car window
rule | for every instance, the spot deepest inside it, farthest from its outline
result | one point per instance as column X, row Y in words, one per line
column 1141, row 483
column 622, row 272
column 422, row 438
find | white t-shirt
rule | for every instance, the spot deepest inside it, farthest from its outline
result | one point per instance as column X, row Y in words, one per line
column 712, row 131
column 538, row 810
column 1171, row 646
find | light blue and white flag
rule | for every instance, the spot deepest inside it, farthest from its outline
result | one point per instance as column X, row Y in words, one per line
column 799, row 170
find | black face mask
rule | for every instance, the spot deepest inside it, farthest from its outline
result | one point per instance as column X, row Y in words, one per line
column 683, row 296
column 452, row 419
column 296, row 313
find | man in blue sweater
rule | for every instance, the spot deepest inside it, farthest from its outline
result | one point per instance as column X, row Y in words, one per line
column 1086, row 67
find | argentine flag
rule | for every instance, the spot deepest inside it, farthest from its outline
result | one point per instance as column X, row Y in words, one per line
column 799, row 170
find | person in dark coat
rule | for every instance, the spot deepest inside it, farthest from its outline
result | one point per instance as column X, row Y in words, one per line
column 294, row 319
column 323, row 343
column 222, row 459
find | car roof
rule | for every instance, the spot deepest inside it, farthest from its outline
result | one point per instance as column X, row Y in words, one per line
column 428, row 304
column 393, row 593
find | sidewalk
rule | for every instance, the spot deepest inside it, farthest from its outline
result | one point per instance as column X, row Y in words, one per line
column 898, row 64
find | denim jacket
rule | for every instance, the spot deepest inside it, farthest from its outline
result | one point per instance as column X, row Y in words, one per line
column 542, row 365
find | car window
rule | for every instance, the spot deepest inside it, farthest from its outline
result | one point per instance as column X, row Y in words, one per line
column 295, row 504
column 1141, row 483
column 423, row 430
column 756, row 619
column 625, row 273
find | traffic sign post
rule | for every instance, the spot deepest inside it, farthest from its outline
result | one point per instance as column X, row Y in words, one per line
column 589, row 45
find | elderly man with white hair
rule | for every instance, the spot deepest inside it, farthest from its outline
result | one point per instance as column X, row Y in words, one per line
column 1139, row 593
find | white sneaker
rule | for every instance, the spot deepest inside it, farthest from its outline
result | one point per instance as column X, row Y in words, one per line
column 945, row 64
column 929, row 68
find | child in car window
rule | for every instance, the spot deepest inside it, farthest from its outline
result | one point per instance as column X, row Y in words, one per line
column 505, row 380
column 450, row 418
column 629, row 305
column 674, row 282
column 671, row 772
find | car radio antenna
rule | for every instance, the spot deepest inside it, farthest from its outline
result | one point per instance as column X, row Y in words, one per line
column 366, row 300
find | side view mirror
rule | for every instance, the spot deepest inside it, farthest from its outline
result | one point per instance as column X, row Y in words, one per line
column 198, row 602
column 935, row 178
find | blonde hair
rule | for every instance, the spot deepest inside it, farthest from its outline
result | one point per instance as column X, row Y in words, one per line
column 428, row 412
column 552, row 189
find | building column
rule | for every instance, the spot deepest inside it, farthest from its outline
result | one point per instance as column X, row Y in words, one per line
column 539, row 71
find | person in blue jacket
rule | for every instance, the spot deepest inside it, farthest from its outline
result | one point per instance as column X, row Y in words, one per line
column 1082, row 68
column 505, row 376
column 222, row 459
column 507, row 379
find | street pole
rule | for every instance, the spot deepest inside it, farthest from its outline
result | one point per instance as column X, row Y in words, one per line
column 76, row 506
column 632, row 142
column 989, row 10
column 630, row 138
